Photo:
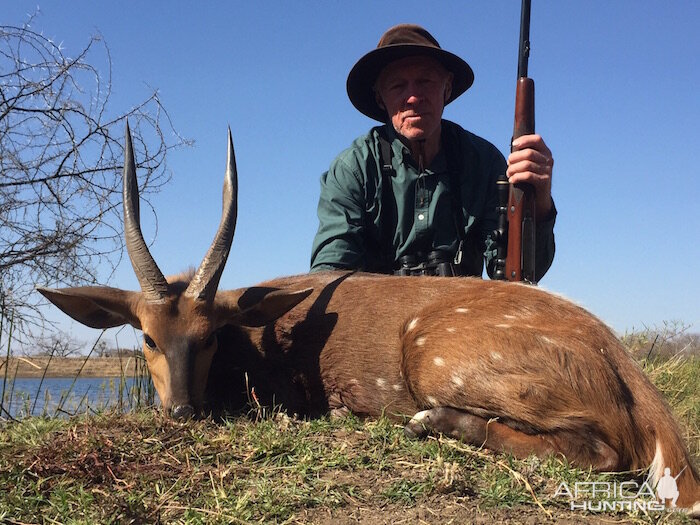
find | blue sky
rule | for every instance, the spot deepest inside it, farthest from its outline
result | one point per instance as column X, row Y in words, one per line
column 617, row 101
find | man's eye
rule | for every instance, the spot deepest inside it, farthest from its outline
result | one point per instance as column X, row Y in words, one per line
column 150, row 343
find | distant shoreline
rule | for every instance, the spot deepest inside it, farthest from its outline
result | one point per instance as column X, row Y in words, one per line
column 33, row 367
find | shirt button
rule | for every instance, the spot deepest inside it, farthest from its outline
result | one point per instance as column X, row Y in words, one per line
column 421, row 216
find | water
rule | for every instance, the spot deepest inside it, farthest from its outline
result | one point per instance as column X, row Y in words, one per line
column 66, row 396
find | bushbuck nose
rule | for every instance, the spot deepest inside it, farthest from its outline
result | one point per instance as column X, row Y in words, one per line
column 183, row 412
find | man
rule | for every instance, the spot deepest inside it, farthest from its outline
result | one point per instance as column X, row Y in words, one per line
column 420, row 190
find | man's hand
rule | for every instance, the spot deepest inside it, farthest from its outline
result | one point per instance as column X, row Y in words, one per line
column 531, row 161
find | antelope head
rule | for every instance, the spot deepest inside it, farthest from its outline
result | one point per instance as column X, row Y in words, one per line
column 179, row 320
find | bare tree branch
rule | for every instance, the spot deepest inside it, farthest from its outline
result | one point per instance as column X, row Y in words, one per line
column 61, row 157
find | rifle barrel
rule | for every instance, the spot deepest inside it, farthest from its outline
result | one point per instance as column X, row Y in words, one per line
column 524, row 51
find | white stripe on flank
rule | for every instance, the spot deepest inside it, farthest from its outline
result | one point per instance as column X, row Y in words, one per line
column 656, row 469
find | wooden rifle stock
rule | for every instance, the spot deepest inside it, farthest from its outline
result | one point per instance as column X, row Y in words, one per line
column 520, row 255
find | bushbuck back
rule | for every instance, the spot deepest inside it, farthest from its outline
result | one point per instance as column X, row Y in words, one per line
column 504, row 365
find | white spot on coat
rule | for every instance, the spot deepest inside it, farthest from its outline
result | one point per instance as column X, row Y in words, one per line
column 439, row 361
column 502, row 326
column 496, row 356
column 420, row 341
column 458, row 381
column 397, row 387
column 412, row 324
column 381, row 382
column 431, row 401
column 509, row 316
column 461, row 310
column 452, row 330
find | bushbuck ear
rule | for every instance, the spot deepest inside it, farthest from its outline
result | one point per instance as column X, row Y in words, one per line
column 96, row 306
column 258, row 306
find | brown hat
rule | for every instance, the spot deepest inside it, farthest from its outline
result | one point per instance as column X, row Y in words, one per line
column 399, row 42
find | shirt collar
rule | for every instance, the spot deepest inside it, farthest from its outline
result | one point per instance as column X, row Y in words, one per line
column 401, row 151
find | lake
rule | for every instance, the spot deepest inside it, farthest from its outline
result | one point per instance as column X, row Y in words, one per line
column 56, row 397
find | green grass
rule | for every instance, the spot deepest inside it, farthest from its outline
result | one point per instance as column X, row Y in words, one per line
column 143, row 468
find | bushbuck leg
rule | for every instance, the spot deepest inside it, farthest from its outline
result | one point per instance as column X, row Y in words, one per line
column 584, row 451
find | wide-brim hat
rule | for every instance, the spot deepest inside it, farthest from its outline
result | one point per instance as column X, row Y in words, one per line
column 401, row 41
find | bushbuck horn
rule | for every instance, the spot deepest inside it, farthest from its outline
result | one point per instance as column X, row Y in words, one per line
column 153, row 284
column 206, row 280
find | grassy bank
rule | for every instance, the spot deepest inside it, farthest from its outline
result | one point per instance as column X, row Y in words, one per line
column 143, row 468
column 33, row 367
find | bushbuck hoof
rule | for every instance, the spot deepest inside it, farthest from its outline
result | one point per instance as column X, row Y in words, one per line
column 183, row 412
column 449, row 421
column 419, row 426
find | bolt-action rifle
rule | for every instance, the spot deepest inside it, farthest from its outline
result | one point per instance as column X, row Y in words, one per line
column 515, row 259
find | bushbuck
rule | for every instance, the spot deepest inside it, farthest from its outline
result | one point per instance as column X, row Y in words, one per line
column 507, row 366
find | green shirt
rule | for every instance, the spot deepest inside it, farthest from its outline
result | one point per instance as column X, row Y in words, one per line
column 358, row 229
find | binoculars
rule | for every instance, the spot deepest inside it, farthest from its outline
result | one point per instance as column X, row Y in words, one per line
column 437, row 262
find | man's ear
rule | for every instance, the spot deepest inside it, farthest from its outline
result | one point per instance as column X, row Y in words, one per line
column 448, row 86
column 258, row 306
column 96, row 306
column 378, row 99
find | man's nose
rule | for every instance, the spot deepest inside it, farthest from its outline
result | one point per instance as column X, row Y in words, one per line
column 414, row 97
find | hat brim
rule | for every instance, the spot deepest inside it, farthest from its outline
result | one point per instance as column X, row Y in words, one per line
column 364, row 74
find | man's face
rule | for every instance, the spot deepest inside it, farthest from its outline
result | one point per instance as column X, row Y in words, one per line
column 413, row 90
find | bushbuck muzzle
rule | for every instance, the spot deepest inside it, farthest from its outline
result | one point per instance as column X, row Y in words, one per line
column 181, row 362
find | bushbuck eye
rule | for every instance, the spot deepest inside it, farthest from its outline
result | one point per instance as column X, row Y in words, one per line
column 150, row 343
column 210, row 340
